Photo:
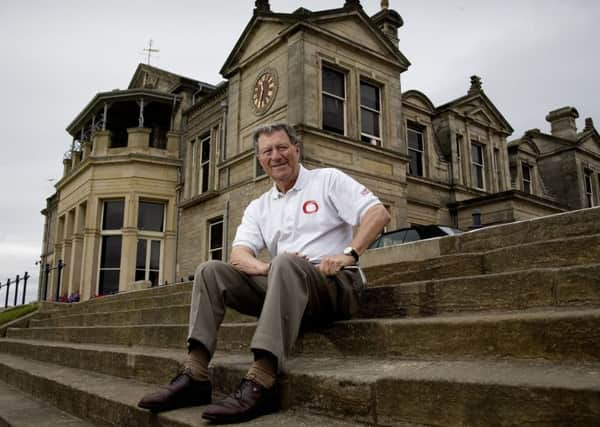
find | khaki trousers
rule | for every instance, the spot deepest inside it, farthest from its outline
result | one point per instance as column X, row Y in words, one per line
column 294, row 295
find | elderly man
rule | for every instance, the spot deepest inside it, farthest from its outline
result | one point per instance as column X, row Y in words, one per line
column 305, row 221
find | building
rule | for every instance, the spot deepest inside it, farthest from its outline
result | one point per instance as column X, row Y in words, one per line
column 160, row 173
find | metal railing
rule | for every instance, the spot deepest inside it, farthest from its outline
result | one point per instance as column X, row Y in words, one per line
column 16, row 282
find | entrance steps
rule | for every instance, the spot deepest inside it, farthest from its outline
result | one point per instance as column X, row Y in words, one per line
column 490, row 328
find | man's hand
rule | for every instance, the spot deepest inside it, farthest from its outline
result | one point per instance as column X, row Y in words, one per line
column 331, row 265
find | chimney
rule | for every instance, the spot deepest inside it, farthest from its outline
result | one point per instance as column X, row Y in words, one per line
column 388, row 21
column 562, row 122
column 589, row 124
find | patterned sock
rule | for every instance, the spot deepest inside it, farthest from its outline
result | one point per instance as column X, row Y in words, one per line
column 197, row 362
column 263, row 370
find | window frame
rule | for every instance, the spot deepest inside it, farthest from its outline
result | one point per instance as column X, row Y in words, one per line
column 478, row 166
column 111, row 232
column 209, row 249
column 343, row 100
column 152, row 235
column 588, row 193
column 204, row 163
column 377, row 138
column 527, row 183
column 419, row 130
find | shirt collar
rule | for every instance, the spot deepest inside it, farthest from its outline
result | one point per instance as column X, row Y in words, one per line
column 298, row 185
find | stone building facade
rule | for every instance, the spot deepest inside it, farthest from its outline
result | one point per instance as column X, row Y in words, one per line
column 160, row 173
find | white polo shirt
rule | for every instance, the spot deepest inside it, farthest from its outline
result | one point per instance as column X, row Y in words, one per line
column 314, row 218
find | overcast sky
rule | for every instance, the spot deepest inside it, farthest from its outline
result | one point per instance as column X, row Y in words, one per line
column 533, row 56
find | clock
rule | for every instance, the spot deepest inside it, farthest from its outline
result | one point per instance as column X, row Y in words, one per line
column 264, row 91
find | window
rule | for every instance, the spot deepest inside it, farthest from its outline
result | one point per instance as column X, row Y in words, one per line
column 370, row 114
column 110, row 251
column 215, row 238
column 334, row 99
column 526, row 177
column 459, row 168
column 587, row 183
column 204, row 176
column 150, row 226
column 477, row 165
column 147, row 264
column 151, row 216
column 415, row 151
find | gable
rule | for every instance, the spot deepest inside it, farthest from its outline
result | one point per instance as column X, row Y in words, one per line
column 590, row 143
column 480, row 109
column 355, row 32
column 146, row 77
column 418, row 99
column 262, row 34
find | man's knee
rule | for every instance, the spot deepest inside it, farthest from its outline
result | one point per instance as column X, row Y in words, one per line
column 206, row 272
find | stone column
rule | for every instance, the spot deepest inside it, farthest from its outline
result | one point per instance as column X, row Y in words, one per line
column 173, row 140
column 66, row 167
column 86, row 148
column 138, row 140
column 129, row 243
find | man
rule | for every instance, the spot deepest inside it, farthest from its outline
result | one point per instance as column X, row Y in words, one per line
column 305, row 221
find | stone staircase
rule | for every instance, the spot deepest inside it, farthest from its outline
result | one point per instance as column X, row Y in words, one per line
column 496, row 327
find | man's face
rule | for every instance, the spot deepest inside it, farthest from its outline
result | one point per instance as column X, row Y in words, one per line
column 279, row 158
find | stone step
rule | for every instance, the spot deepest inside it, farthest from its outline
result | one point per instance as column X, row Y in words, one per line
column 18, row 409
column 168, row 314
column 564, row 225
column 108, row 400
column 372, row 391
column 534, row 288
column 567, row 252
column 147, row 301
column 552, row 334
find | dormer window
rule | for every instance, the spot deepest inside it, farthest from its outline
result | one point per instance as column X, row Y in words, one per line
column 334, row 100
column 477, row 166
column 370, row 113
column 587, row 186
column 416, row 149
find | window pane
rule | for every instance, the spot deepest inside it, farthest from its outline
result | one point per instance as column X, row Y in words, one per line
column 415, row 139
column 333, row 114
column 477, row 153
column 205, row 177
column 113, row 215
column 151, row 216
column 155, row 255
column 109, row 282
column 206, row 149
column 140, row 261
column 415, row 166
column 111, row 252
column 369, row 122
column 411, row 236
column 369, row 96
column 217, row 255
column 526, row 172
column 333, row 82
column 216, row 234
column 140, row 275
column 477, row 172
column 153, row 277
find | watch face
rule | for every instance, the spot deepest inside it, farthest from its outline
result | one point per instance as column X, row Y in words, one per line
column 264, row 91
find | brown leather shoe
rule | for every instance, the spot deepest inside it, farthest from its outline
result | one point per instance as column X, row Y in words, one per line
column 182, row 391
column 249, row 401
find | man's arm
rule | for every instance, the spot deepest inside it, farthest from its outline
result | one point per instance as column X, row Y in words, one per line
column 370, row 227
column 243, row 259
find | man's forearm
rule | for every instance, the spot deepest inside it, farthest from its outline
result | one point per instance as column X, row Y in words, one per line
column 243, row 259
column 371, row 226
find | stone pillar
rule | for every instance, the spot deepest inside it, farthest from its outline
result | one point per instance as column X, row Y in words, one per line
column 129, row 243
column 101, row 143
column 75, row 159
column 138, row 140
column 89, row 267
column 66, row 167
column 169, row 260
column 173, row 140
column 86, row 150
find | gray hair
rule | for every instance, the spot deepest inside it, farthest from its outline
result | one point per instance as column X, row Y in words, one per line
column 274, row 127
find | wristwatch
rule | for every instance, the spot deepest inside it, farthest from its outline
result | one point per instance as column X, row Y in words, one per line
column 352, row 252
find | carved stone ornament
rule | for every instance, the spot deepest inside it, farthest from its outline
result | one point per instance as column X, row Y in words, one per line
column 264, row 91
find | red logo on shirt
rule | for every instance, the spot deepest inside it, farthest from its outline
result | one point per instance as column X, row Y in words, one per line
column 310, row 207
column 365, row 191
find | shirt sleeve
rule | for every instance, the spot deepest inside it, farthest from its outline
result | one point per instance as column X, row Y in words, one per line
column 351, row 199
column 248, row 232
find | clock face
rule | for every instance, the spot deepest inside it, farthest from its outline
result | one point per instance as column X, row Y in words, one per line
column 264, row 91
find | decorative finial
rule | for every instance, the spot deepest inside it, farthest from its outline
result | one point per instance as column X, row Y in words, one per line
column 475, row 85
column 385, row 4
column 352, row 4
column 589, row 124
column 262, row 6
